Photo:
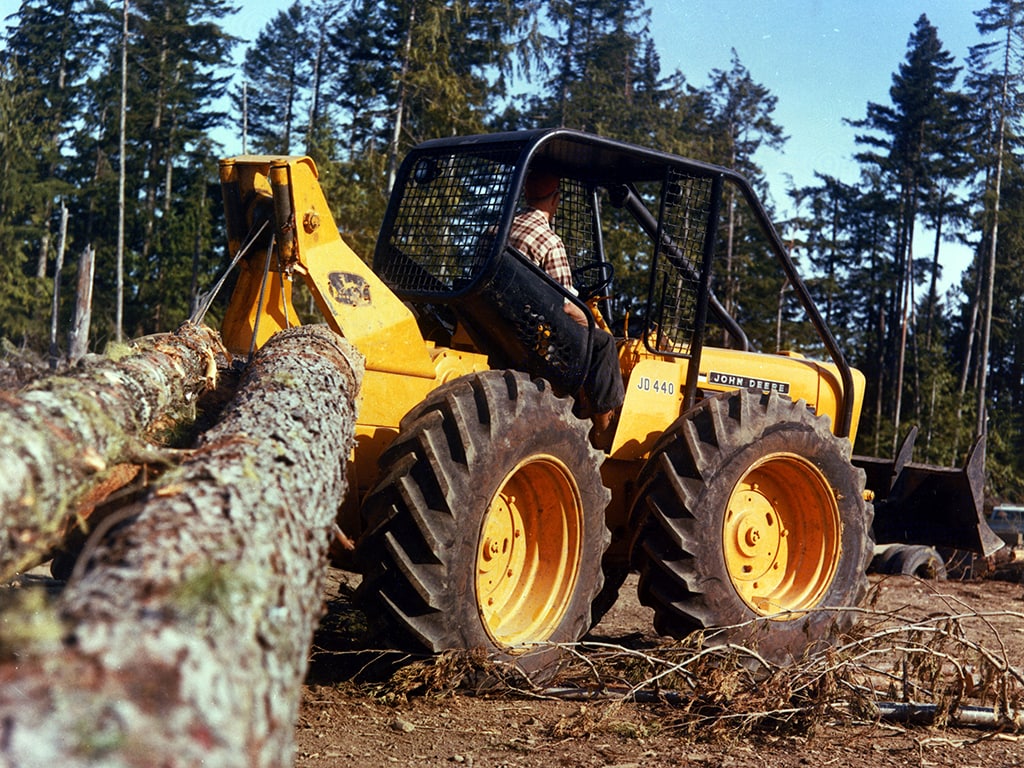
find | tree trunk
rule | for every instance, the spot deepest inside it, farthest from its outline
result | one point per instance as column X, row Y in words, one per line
column 400, row 106
column 58, row 267
column 121, row 180
column 65, row 435
column 191, row 626
column 990, row 271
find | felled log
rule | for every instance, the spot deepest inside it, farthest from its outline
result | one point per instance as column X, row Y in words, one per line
column 66, row 440
column 190, row 627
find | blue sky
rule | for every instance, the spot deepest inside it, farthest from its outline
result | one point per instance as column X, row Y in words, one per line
column 823, row 59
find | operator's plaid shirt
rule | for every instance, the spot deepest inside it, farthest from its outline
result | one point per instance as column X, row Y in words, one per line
column 532, row 234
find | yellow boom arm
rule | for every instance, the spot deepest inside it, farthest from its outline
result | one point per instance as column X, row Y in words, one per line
column 284, row 191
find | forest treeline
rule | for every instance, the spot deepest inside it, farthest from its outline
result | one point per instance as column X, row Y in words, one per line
column 111, row 111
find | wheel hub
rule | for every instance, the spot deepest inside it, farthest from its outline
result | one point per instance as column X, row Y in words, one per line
column 528, row 558
column 757, row 534
column 500, row 559
column 781, row 535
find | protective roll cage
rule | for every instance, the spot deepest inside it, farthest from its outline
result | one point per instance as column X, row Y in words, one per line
column 443, row 248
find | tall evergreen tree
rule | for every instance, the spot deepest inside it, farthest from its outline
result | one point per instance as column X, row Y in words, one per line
column 1001, row 80
column 417, row 69
column 177, row 55
column 740, row 125
column 48, row 52
column 602, row 55
column 276, row 75
column 21, row 198
column 996, row 87
column 906, row 145
column 52, row 50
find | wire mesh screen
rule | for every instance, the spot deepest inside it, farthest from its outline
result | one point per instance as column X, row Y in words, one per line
column 574, row 223
column 685, row 210
column 444, row 230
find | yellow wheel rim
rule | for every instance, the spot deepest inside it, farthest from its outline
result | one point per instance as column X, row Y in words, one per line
column 529, row 552
column 782, row 535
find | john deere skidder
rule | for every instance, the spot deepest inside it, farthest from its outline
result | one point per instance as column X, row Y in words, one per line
column 484, row 517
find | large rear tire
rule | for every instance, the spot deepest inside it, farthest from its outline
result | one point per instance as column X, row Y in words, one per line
column 750, row 517
column 487, row 528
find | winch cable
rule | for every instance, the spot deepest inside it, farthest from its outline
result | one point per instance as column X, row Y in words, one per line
column 206, row 299
column 263, row 291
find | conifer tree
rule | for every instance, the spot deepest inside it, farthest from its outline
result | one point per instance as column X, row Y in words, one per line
column 740, row 125
column 177, row 57
column 20, row 231
column 989, row 351
column 276, row 76
column 906, row 142
column 47, row 55
column 51, row 49
column 601, row 55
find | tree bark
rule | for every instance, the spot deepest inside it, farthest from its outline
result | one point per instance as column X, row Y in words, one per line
column 191, row 625
column 63, row 436
column 58, row 267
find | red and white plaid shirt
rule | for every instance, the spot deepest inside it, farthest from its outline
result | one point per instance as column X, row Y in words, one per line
column 531, row 233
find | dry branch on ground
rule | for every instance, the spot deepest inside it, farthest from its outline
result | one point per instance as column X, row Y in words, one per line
column 187, row 635
column 948, row 668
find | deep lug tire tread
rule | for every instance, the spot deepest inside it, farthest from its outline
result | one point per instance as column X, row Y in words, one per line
column 453, row 448
column 678, row 512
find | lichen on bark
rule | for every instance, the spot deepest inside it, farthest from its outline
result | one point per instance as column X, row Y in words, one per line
column 61, row 437
column 188, row 631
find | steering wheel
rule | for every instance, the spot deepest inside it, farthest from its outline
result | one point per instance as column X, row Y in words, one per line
column 605, row 274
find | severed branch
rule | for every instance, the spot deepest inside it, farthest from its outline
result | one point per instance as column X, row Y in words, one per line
column 187, row 634
column 916, row 670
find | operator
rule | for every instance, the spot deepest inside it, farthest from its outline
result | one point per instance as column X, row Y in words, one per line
column 531, row 233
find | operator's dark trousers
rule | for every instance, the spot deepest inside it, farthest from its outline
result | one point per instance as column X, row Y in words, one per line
column 603, row 388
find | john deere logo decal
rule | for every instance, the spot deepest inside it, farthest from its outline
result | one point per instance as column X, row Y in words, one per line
column 350, row 289
column 747, row 382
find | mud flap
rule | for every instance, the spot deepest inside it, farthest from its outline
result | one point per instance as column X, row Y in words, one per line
column 930, row 505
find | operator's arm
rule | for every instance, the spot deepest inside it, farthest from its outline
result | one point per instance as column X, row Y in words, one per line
column 575, row 313
column 556, row 264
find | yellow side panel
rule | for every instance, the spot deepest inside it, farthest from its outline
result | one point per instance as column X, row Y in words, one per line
column 351, row 297
column 654, row 397
column 654, row 390
column 796, row 377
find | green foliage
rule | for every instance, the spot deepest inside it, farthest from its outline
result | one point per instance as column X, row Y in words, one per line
column 877, row 293
column 354, row 83
column 270, row 97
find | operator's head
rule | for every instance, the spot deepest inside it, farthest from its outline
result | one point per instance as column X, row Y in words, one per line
column 542, row 189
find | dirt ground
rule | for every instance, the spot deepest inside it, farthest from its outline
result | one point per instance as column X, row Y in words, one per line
column 932, row 635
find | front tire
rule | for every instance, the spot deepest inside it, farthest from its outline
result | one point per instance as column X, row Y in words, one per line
column 487, row 528
column 750, row 517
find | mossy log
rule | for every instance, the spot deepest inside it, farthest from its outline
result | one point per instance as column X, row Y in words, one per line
column 187, row 632
column 65, row 440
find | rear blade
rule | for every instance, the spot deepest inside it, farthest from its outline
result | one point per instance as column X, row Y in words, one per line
column 931, row 505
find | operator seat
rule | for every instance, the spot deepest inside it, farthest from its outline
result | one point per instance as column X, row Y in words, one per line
column 517, row 318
